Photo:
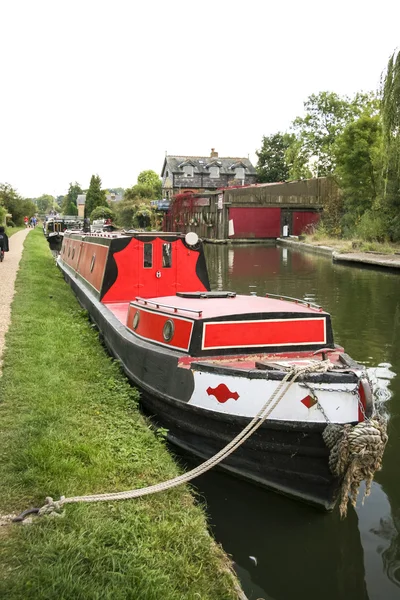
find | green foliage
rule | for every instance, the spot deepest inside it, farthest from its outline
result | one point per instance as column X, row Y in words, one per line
column 372, row 226
column 124, row 213
column 358, row 156
column 95, row 195
column 327, row 115
column 15, row 205
column 151, row 179
column 148, row 187
column 297, row 159
column 391, row 140
column 140, row 191
column 272, row 165
column 45, row 203
column 71, row 198
column 142, row 216
column 102, row 212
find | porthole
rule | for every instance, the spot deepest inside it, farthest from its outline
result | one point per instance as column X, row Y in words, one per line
column 136, row 320
column 63, row 249
column 92, row 263
column 73, row 253
column 168, row 330
column 69, row 251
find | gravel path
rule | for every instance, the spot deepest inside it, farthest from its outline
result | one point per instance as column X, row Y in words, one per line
column 8, row 273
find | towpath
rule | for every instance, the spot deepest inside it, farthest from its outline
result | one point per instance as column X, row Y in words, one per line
column 391, row 261
column 8, row 273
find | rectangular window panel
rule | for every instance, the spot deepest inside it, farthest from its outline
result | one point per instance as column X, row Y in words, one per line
column 167, row 256
column 148, row 256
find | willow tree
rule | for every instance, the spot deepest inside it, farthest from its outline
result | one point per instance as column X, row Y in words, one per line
column 390, row 111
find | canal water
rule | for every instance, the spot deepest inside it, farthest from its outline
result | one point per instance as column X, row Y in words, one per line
column 282, row 549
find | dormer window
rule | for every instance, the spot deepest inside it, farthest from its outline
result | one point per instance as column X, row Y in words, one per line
column 239, row 173
column 188, row 170
column 214, row 172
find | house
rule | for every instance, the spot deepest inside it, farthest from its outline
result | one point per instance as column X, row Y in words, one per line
column 80, row 202
column 204, row 173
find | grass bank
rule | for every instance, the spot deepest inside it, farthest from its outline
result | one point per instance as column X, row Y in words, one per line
column 11, row 230
column 351, row 245
column 70, row 425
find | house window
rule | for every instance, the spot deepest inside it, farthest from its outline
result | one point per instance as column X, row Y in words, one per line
column 148, row 256
column 167, row 174
column 188, row 170
column 214, row 172
column 239, row 173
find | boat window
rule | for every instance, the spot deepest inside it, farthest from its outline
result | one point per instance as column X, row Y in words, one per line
column 73, row 253
column 148, row 256
column 92, row 263
column 167, row 256
column 168, row 330
column 69, row 251
column 136, row 320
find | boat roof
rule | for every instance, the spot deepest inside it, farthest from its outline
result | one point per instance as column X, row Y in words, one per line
column 208, row 308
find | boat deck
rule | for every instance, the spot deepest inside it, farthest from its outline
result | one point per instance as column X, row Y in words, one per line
column 207, row 308
column 210, row 308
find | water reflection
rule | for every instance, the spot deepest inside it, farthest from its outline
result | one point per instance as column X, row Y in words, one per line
column 302, row 553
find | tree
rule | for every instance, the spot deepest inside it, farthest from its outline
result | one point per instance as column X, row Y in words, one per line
column 391, row 142
column 327, row 115
column 151, row 179
column 69, row 204
column 95, row 195
column 358, row 157
column 45, row 203
column 272, row 165
column 102, row 212
column 139, row 192
column 15, row 205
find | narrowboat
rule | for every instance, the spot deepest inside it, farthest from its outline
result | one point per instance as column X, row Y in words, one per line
column 206, row 361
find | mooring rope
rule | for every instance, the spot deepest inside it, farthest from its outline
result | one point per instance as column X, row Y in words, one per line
column 283, row 387
column 355, row 454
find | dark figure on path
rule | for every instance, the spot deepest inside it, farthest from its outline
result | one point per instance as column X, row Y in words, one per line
column 4, row 246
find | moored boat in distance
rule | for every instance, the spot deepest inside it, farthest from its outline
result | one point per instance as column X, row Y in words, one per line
column 207, row 362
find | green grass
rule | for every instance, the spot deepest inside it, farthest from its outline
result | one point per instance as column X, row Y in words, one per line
column 350, row 245
column 11, row 230
column 69, row 425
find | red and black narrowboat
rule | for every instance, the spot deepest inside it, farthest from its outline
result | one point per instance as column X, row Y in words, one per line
column 207, row 361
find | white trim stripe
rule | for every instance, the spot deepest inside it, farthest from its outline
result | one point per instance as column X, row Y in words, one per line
column 215, row 323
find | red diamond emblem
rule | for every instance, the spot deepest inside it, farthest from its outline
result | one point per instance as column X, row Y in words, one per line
column 309, row 401
column 222, row 393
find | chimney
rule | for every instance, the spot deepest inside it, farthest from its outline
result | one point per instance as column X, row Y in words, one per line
column 213, row 153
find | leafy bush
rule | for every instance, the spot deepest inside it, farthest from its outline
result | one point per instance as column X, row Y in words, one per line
column 371, row 227
column 10, row 223
column 102, row 212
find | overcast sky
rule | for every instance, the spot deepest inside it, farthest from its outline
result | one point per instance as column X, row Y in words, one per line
column 93, row 87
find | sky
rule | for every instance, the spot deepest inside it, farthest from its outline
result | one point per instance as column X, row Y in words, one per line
column 108, row 88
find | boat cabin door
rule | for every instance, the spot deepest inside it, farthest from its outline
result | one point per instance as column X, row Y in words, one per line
column 158, row 275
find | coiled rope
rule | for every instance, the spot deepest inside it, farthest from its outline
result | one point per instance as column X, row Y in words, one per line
column 283, row 387
column 355, row 455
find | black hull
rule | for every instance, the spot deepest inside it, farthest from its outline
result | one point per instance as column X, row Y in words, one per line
column 288, row 457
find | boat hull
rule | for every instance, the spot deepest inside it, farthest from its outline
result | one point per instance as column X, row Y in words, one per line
column 289, row 457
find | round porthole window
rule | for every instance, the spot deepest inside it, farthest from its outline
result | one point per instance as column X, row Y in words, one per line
column 69, row 251
column 136, row 320
column 73, row 253
column 92, row 263
column 168, row 330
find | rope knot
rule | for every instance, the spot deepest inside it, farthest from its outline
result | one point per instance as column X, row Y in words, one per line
column 52, row 506
column 355, row 455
